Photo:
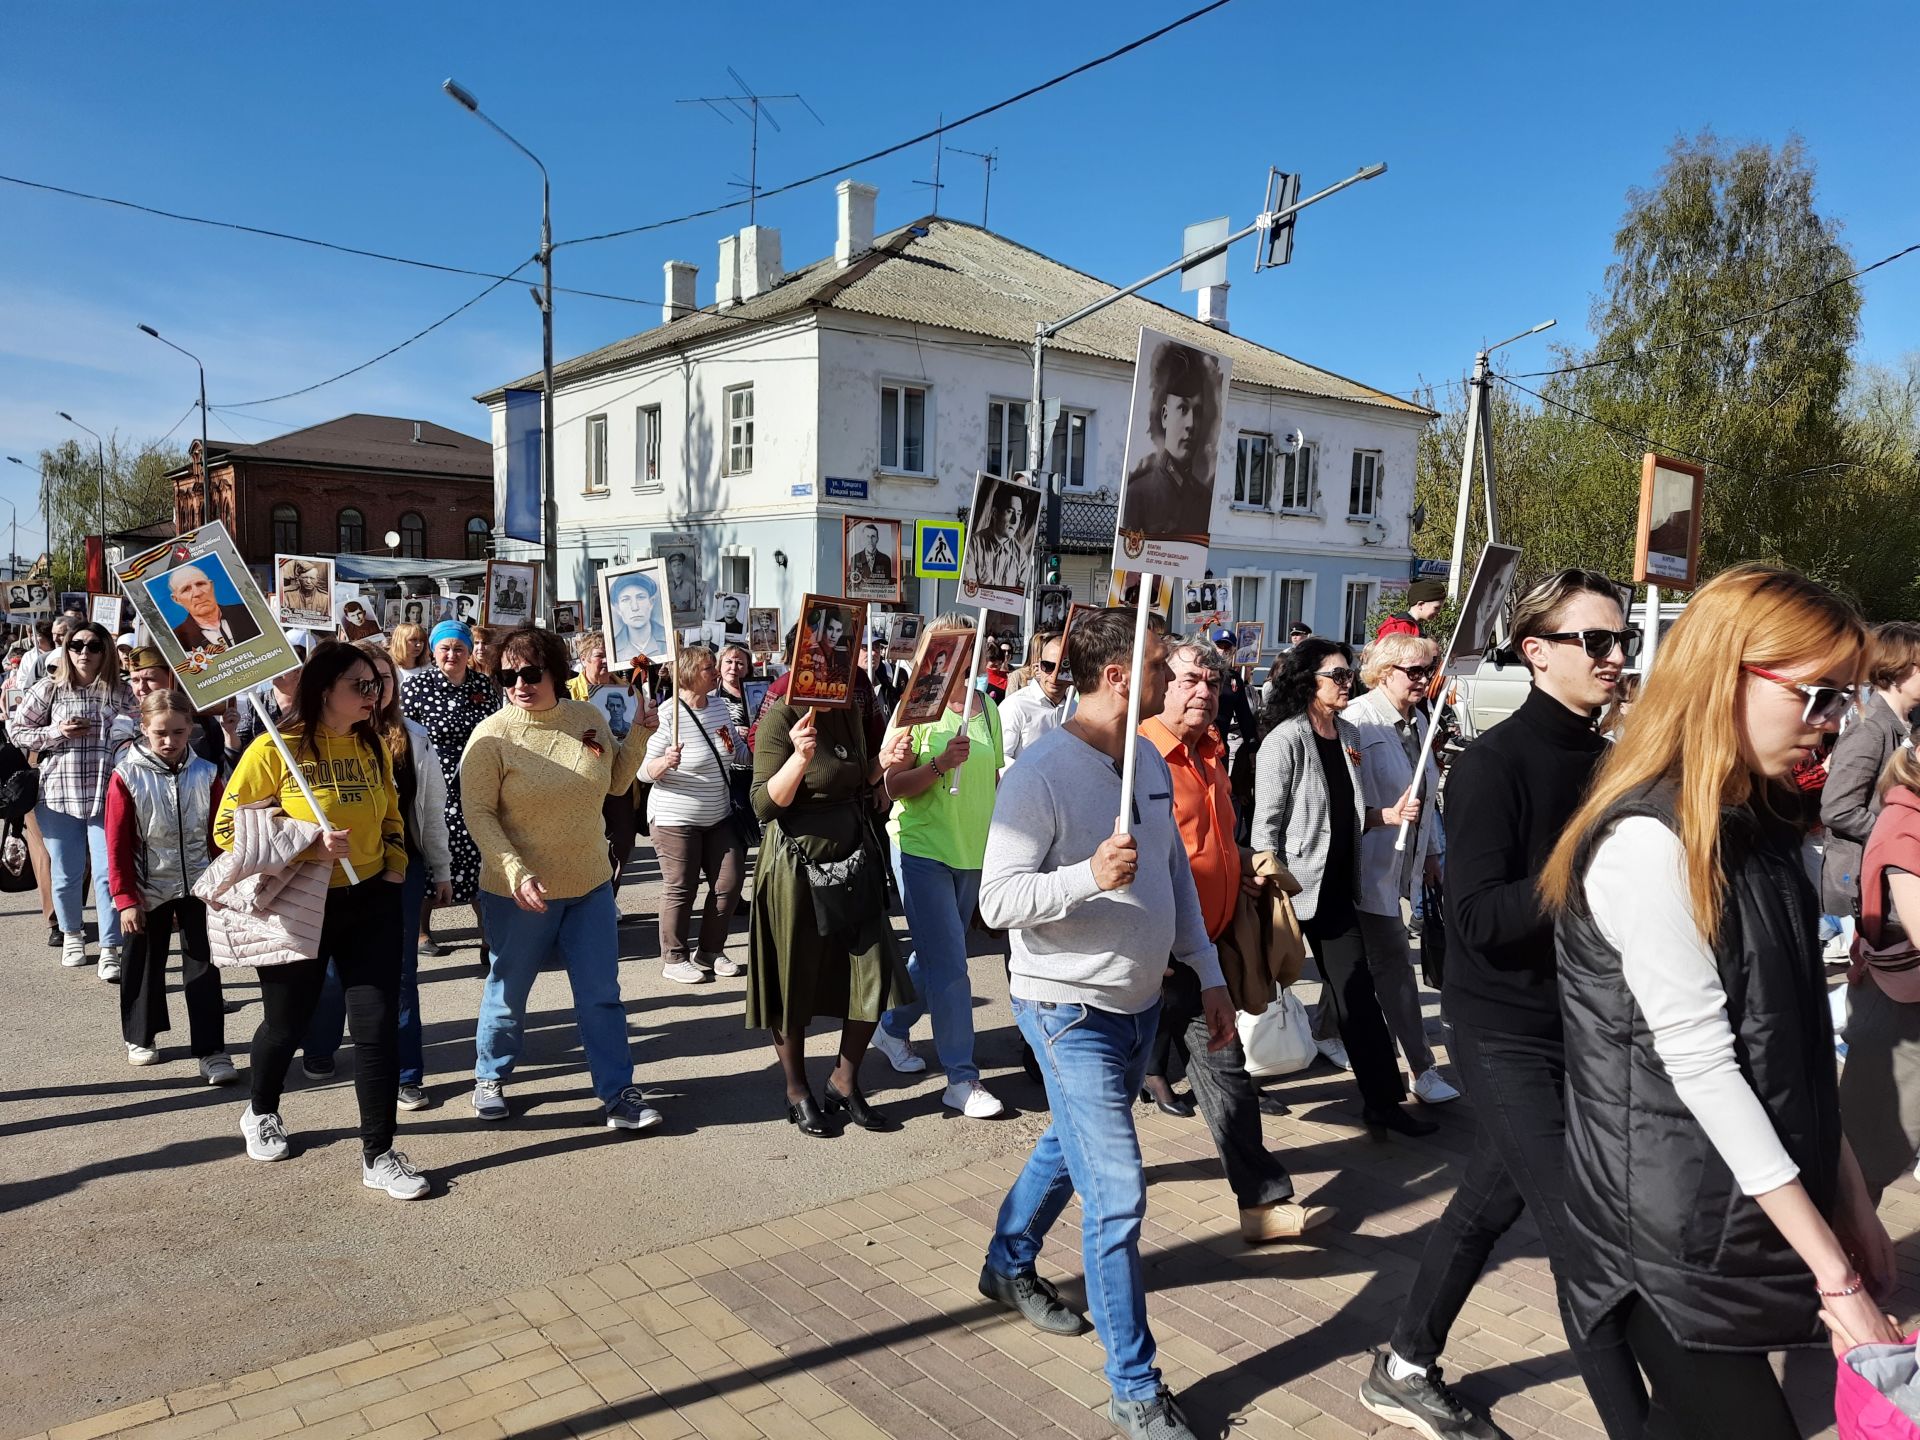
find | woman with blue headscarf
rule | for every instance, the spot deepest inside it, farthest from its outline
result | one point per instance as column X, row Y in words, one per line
column 449, row 698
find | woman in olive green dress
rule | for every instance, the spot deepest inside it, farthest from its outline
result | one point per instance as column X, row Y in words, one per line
column 812, row 789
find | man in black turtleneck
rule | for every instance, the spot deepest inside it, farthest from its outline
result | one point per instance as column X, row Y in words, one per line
column 1508, row 798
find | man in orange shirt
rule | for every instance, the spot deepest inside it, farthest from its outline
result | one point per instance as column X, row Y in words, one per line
column 1183, row 732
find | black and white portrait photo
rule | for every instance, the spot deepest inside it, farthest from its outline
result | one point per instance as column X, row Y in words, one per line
column 304, row 591
column 998, row 563
column 729, row 612
column 871, row 550
column 633, row 614
column 360, row 618
column 1050, row 612
column 1173, row 441
column 511, row 594
column 687, row 588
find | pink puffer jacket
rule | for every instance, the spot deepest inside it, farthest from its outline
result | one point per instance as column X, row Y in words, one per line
column 265, row 904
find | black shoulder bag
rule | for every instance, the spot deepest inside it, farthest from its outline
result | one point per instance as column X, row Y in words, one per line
column 746, row 825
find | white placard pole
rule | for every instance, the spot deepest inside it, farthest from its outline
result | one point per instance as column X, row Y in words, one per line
column 1650, row 636
column 973, row 685
column 1420, row 769
column 1122, row 825
column 293, row 768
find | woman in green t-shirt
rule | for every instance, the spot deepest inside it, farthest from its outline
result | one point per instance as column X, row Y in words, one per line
column 943, row 804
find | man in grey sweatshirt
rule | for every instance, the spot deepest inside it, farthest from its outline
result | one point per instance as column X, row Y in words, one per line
column 1094, row 911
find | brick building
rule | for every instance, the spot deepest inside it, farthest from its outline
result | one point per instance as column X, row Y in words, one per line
column 338, row 488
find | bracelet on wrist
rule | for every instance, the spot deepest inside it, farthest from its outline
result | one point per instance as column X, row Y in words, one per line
column 1853, row 1286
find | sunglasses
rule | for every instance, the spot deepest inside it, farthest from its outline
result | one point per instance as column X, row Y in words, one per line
column 85, row 647
column 528, row 675
column 1343, row 676
column 367, row 688
column 1599, row 644
column 1825, row 703
column 1419, row 674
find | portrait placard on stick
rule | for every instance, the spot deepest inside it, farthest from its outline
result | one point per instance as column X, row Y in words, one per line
column 1667, row 546
column 998, row 564
column 104, row 610
column 511, row 594
column 825, row 649
column 938, row 664
column 686, row 587
column 634, row 614
column 763, row 634
column 304, row 592
column 1173, row 438
column 870, row 552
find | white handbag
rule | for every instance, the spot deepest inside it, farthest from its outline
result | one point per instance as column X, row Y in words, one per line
column 1279, row 1040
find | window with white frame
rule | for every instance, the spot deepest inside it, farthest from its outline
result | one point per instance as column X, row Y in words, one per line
column 1298, row 472
column 1359, row 605
column 903, row 429
column 1293, row 606
column 596, row 454
column 1248, row 595
column 646, row 460
column 1253, row 470
column 1070, row 439
column 736, row 574
column 1006, row 437
column 1363, row 496
column 738, row 408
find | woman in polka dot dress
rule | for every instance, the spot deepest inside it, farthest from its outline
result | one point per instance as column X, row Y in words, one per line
column 449, row 698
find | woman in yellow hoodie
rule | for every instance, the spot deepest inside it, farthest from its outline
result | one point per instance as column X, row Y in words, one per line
column 345, row 765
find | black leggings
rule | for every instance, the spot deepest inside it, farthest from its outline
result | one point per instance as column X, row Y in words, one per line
column 1712, row 1396
column 361, row 936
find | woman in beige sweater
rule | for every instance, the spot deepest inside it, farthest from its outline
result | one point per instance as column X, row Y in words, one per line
column 532, row 783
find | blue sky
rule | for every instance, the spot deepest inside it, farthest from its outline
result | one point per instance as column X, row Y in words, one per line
column 1512, row 145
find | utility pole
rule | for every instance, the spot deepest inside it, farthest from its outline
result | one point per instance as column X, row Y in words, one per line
column 1043, row 332
column 100, row 450
column 1479, row 439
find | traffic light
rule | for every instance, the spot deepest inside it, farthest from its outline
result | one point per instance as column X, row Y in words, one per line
column 1053, row 569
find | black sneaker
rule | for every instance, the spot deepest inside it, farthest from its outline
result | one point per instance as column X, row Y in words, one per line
column 54, row 938
column 318, row 1067
column 1424, row 1404
column 1155, row 1419
column 1035, row 1299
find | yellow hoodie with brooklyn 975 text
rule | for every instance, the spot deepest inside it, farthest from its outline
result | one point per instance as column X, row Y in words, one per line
column 352, row 782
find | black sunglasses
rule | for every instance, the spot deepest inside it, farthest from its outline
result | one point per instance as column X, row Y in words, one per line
column 1599, row 643
column 526, row 675
column 1047, row 667
column 1341, row 676
column 85, row 647
column 1415, row 673
column 369, row 687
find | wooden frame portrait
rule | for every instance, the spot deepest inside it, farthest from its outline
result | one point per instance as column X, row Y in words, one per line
column 359, row 616
column 511, row 594
column 941, row 662
column 566, row 616
column 1249, row 639
column 826, row 650
column 870, row 571
column 635, row 614
column 1666, row 546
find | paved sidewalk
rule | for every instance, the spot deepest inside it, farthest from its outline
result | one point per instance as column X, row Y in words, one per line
column 861, row 1320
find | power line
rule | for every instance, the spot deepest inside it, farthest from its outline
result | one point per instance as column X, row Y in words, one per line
column 1722, row 329
column 908, row 144
column 307, row 240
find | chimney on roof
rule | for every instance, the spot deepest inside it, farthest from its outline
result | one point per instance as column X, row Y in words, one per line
column 416, row 432
column 759, row 260
column 726, row 286
column 680, row 300
column 1213, row 307
column 855, row 203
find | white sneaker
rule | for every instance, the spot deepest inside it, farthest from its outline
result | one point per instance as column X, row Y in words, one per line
column 973, row 1100
column 141, row 1054
column 684, row 972
column 266, row 1136
column 109, row 967
column 727, row 967
column 1334, row 1053
column 218, row 1069
column 1430, row 1089
column 73, row 951
column 394, row 1173
column 489, row 1102
column 899, row 1053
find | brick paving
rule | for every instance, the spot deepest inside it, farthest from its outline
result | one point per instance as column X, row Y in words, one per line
column 861, row 1320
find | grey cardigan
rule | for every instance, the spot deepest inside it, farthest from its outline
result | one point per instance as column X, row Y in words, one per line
column 1849, row 802
column 1291, row 805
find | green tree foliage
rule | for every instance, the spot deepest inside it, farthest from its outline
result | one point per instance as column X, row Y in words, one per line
column 1807, row 461
column 137, row 493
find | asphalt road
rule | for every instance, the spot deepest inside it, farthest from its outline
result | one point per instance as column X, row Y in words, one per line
column 141, row 1252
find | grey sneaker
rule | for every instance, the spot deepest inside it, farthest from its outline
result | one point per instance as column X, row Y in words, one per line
column 632, row 1112
column 218, row 1069
column 489, row 1103
column 413, row 1097
column 266, row 1136
column 1034, row 1298
column 1155, row 1419
column 684, row 972
column 726, row 967
column 394, row 1173
column 1423, row 1404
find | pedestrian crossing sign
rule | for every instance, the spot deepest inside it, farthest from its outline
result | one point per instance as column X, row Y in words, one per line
column 937, row 546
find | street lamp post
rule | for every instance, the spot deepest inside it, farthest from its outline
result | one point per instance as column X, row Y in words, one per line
column 100, row 450
column 46, row 506
column 206, row 472
column 549, row 509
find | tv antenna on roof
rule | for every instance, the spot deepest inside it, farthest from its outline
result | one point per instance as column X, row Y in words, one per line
column 987, row 161
column 939, row 135
column 754, row 107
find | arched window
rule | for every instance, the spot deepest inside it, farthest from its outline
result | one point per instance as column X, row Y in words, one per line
column 353, row 532
column 478, row 533
column 286, row 529
column 413, row 536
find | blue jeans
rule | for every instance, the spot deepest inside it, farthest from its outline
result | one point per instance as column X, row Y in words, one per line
column 329, row 1025
column 75, row 846
column 1093, row 1062
column 585, row 933
column 939, row 902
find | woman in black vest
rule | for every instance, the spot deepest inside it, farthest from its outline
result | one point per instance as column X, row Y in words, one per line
column 1719, row 1211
